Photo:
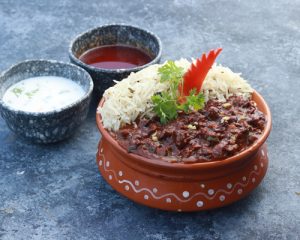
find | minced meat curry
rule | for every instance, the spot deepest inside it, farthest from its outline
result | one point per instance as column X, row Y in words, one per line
column 218, row 131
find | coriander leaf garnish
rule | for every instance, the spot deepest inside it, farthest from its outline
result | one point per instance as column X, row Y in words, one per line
column 170, row 71
column 30, row 94
column 165, row 107
column 193, row 102
column 166, row 104
column 17, row 91
column 173, row 74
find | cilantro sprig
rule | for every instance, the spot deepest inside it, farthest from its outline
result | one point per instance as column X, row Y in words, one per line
column 165, row 107
column 194, row 102
column 166, row 104
column 169, row 72
column 30, row 94
column 17, row 91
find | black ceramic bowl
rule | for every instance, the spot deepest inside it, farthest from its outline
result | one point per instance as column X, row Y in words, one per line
column 51, row 126
column 111, row 35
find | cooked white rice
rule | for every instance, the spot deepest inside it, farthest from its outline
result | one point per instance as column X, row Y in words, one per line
column 131, row 97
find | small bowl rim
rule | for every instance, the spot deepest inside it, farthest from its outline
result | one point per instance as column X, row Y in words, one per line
column 156, row 163
column 55, row 111
column 119, row 70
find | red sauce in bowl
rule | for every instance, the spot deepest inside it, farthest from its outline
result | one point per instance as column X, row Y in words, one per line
column 115, row 57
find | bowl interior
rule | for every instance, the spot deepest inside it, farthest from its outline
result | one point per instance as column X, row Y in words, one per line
column 35, row 68
column 117, row 34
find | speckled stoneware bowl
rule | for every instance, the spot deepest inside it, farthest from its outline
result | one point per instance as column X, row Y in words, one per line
column 51, row 126
column 110, row 35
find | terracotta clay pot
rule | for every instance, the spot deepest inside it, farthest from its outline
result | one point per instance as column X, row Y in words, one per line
column 179, row 186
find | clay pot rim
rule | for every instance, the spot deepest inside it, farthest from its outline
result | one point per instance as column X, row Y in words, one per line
column 156, row 163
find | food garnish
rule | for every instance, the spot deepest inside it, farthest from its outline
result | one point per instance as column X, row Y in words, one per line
column 31, row 93
column 17, row 91
column 148, row 92
column 194, row 77
column 184, row 93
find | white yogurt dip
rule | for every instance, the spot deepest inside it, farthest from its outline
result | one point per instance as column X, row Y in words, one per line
column 42, row 94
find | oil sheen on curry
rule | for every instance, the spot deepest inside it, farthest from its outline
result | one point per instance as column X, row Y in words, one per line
column 183, row 112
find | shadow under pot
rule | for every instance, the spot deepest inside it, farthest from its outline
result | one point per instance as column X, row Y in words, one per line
column 112, row 52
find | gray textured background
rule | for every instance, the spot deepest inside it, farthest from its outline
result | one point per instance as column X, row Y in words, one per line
column 56, row 192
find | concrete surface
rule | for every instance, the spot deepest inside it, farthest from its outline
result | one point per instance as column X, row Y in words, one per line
column 56, row 192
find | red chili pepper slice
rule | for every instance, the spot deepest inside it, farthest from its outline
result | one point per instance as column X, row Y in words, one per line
column 196, row 74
